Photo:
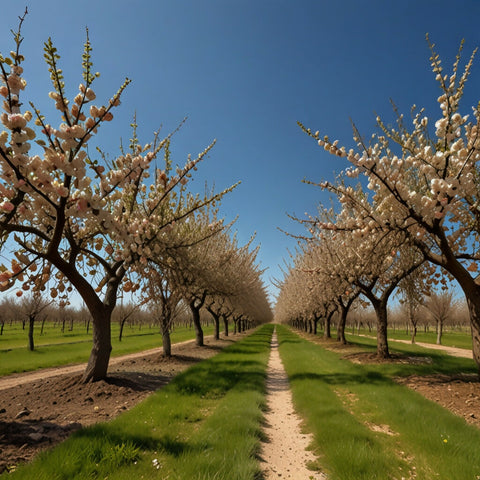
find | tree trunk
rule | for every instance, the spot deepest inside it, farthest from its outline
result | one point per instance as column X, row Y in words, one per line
column 439, row 332
column 216, row 322
column 225, row 326
column 315, row 325
column 43, row 325
column 235, row 326
column 31, row 323
column 380, row 307
column 472, row 295
column 196, row 324
column 122, row 324
column 326, row 330
column 216, row 333
column 414, row 333
column 97, row 366
column 166, row 342
column 344, row 308
column 341, row 325
column 475, row 326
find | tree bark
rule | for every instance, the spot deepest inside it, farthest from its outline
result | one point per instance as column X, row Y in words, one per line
column 472, row 296
column 341, row 325
column 166, row 342
column 31, row 323
column 97, row 366
column 122, row 324
column 216, row 321
column 475, row 326
column 380, row 307
column 326, row 330
column 43, row 325
column 225, row 326
column 196, row 324
column 216, row 333
column 439, row 332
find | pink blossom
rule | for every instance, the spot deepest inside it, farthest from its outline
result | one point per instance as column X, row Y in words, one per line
column 16, row 120
column 82, row 205
column 7, row 206
column 15, row 83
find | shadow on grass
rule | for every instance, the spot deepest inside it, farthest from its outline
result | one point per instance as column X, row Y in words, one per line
column 215, row 382
column 371, row 378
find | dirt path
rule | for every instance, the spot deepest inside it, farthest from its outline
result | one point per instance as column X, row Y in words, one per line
column 17, row 379
column 285, row 454
column 454, row 351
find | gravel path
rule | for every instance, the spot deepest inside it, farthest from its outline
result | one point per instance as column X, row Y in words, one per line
column 285, row 454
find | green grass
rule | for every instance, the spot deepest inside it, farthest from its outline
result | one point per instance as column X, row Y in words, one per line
column 55, row 349
column 449, row 338
column 206, row 424
column 341, row 401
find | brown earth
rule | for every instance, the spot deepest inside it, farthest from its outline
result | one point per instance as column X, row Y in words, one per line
column 35, row 415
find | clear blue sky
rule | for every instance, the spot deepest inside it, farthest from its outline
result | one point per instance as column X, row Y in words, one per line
column 244, row 72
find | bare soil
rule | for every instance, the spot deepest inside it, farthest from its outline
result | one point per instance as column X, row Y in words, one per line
column 40, row 409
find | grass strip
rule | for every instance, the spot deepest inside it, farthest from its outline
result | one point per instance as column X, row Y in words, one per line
column 206, row 424
column 366, row 426
column 77, row 350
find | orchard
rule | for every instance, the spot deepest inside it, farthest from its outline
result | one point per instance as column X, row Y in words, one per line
column 84, row 224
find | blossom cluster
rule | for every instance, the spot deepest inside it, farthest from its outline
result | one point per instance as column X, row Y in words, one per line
column 110, row 212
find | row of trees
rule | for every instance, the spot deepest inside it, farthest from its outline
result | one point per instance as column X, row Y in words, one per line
column 436, row 312
column 100, row 226
column 412, row 218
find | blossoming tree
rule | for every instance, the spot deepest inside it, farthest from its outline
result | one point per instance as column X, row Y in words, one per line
column 77, row 222
column 425, row 183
